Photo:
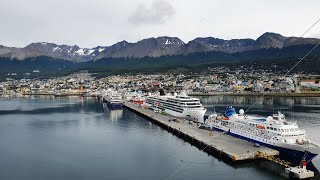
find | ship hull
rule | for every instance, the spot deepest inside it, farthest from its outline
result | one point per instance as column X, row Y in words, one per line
column 113, row 106
column 291, row 155
column 192, row 115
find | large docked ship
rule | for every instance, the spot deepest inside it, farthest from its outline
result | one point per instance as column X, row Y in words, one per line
column 274, row 132
column 181, row 105
column 113, row 100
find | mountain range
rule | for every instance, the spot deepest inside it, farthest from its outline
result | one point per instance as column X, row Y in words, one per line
column 157, row 47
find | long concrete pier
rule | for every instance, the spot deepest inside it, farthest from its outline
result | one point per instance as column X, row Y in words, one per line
column 234, row 148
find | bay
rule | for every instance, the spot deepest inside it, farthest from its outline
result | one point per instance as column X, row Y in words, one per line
column 76, row 138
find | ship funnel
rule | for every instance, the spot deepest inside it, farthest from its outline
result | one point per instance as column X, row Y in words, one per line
column 230, row 111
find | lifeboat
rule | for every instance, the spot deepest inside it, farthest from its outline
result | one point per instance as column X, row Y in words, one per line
column 224, row 118
column 260, row 127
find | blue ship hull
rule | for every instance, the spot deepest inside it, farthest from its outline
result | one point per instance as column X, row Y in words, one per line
column 290, row 155
column 112, row 106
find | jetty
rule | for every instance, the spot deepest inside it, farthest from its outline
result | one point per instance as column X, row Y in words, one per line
column 234, row 148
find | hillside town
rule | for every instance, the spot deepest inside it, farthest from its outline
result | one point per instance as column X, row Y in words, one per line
column 218, row 81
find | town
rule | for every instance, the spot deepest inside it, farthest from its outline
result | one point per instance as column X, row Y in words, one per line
column 220, row 80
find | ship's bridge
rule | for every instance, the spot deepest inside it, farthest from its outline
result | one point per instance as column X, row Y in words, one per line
column 286, row 131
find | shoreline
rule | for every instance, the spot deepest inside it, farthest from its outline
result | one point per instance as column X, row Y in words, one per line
column 47, row 94
column 305, row 94
column 259, row 94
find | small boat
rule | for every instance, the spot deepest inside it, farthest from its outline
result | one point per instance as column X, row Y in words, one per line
column 60, row 95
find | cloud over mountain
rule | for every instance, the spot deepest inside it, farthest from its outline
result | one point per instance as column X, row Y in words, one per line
column 158, row 12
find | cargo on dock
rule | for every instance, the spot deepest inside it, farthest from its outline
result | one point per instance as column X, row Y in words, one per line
column 234, row 148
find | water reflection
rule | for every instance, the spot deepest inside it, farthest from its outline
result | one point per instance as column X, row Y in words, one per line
column 115, row 114
column 66, row 138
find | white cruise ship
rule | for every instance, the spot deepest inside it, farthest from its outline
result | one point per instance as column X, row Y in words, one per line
column 181, row 105
column 274, row 132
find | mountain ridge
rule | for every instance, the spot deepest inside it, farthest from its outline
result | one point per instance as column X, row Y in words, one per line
column 153, row 47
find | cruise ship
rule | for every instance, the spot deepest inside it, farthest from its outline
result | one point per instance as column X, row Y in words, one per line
column 113, row 100
column 274, row 132
column 182, row 106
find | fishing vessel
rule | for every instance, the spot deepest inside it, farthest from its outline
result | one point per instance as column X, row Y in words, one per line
column 113, row 100
column 181, row 105
column 273, row 131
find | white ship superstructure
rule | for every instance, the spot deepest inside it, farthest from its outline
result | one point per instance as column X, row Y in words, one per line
column 113, row 100
column 181, row 105
column 274, row 131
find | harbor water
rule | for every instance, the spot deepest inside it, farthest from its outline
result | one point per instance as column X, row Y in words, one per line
column 74, row 138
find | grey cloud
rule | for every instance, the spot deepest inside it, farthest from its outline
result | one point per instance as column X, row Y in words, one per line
column 157, row 13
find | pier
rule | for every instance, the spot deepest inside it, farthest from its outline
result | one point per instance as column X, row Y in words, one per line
column 234, row 148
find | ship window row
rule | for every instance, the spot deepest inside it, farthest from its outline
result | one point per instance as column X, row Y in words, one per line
column 175, row 104
column 183, row 100
column 283, row 130
column 152, row 102
column 173, row 109
column 292, row 135
column 155, row 99
column 172, row 106
column 174, row 101
column 149, row 99
column 183, row 97
column 193, row 106
column 184, row 104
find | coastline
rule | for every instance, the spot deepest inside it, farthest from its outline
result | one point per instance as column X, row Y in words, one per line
column 305, row 94
column 47, row 94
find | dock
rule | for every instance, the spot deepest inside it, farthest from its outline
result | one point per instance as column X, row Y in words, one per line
column 234, row 148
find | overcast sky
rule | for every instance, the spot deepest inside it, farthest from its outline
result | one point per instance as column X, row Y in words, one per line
column 89, row 23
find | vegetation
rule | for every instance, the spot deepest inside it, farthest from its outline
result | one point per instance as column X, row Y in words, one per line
column 277, row 60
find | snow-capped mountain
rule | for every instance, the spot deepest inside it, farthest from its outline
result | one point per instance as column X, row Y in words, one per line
column 229, row 46
column 152, row 47
column 72, row 53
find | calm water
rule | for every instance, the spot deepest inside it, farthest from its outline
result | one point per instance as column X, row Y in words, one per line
column 75, row 139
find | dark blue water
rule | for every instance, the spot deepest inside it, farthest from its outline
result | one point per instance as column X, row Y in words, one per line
column 75, row 139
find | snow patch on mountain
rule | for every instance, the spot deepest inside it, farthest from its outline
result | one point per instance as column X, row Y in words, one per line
column 80, row 52
column 56, row 49
column 90, row 51
column 101, row 49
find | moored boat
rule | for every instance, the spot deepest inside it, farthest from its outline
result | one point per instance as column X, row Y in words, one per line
column 113, row 100
column 273, row 131
column 182, row 106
